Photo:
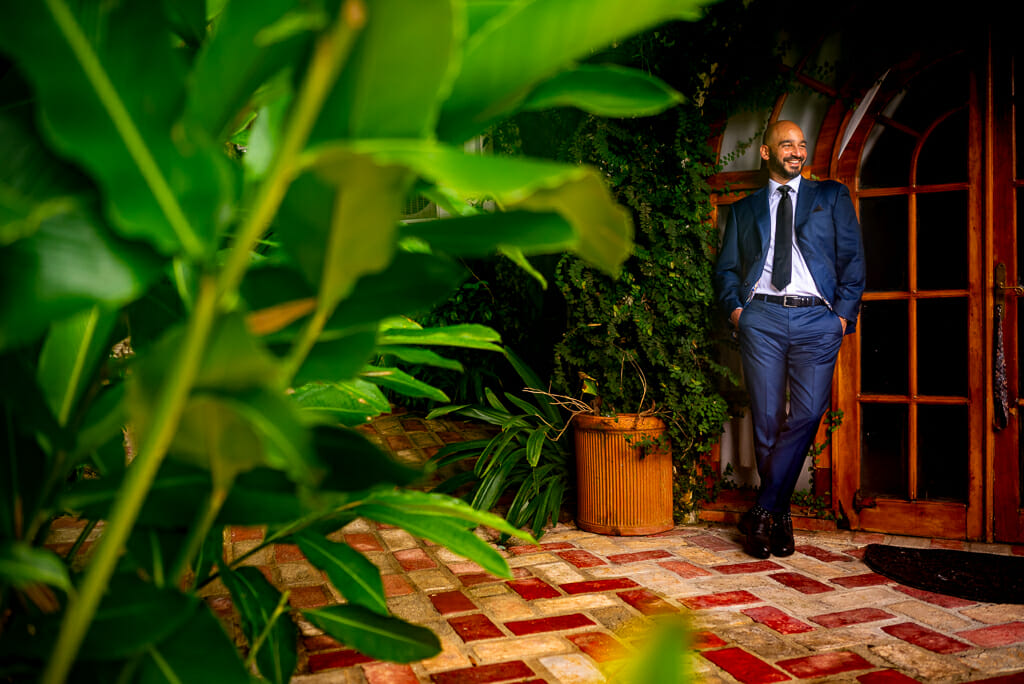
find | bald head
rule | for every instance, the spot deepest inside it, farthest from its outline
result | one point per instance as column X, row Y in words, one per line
column 785, row 150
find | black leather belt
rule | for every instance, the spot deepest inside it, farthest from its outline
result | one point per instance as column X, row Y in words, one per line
column 791, row 301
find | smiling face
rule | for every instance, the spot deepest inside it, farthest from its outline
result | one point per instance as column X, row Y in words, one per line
column 785, row 150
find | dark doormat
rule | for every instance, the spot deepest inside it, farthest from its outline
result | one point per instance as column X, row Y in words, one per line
column 981, row 577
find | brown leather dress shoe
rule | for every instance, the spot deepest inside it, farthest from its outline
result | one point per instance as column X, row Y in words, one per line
column 782, row 535
column 757, row 534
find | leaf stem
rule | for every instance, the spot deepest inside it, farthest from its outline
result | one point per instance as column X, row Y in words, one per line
column 126, row 128
column 170, row 404
column 329, row 56
column 278, row 611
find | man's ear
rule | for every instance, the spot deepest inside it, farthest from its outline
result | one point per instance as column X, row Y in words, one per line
column 764, row 152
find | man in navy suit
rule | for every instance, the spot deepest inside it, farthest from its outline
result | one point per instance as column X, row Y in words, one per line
column 790, row 275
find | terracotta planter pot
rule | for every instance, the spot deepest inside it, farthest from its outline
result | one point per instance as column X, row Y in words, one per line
column 623, row 489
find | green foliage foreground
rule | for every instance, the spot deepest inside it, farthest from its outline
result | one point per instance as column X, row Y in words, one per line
column 221, row 183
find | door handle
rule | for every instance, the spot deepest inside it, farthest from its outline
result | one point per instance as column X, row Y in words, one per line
column 1000, row 392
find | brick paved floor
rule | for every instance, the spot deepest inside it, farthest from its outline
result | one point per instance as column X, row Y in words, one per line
column 580, row 604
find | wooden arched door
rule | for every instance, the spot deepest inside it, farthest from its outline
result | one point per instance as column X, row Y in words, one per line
column 929, row 446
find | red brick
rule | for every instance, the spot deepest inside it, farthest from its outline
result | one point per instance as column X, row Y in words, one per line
column 247, row 533
column 308, row 597
column 940, row 600
column 332, row 660
column 996, row 635
column 473, row 627
column 598, row 645
column 851, row 617
column 398, row 442
column 396, row 585
column 623, row 558
column 704, row 640
column 549, row 624
column 741, row 568
column 684, row 569
column 1016, row 678
column 647, row 602
column 886, row 677
column 288, row 553
column 744, row 666
column 363, row 542
column 413, row 425
column 533, row 588
column 868, row 579
column 824, row 664
column 498, row 672
column 414, row 559
column 592, row 586
column 952, row 544
column 925, row 638
column 866, row 538
column 725, row 598
column 777, row 620
column 801, row 583
column 712, row 542
column 474, row 578
column 389, row 673
column 321, row 643
column 822, row 554
column 540, row 548
column 581, row 558
column 452, row 602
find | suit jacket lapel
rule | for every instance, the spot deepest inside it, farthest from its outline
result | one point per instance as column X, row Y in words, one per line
column 805, row 201
column 762, row 217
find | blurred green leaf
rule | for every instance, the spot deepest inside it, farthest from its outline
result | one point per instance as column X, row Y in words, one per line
column 22, row 564
column 234, row 359
column 604, row 230
column 402, row 64
column 399, row 381
column 491, row 86
column 125, row 624
column 72, row 349
column 86, row 63
column 605, row 90
column 69, row 264
column 378, row 636
column 468, row 335
column 349, row 571
column 337, row 357
column 174, row 660
column 484, row 234
column 354, row 463
column 422, row 357
column 234, row 63
column 257, row 602
column 348, row 403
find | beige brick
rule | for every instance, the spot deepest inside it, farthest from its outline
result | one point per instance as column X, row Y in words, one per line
column 431, row 580
column 933, row 616
column 396, row 540
column 299, row 573
column 873, row 597
column 574, row 604
column 995, row 660
column 525, row 647
column 919, row 663
column 451, row 656
column 816, row 568
column 558, row 573
column 490, row 589
column 528, row 559
column 995, row 614
column 700, row 556
column 506, row 607
column 573, row 669
column 842, row 637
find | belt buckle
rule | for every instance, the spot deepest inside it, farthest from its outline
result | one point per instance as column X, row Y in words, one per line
column 787, row 298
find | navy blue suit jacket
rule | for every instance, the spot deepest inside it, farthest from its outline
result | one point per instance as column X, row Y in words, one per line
column 828, row 235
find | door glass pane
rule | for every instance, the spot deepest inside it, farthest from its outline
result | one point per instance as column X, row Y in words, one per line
column 883, row 450
column 942, row 241
column 943, row 157
column 942, row 464
column 887, row 158
column 942, row 347
column 884, row 226
column 884, row 348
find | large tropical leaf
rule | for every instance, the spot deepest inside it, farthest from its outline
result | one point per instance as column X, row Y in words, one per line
column 603, row 229
column 22, row 565
column 497, row 73
column 86, row 64
column 604, row 90
column 348, row 403
column 174, row 660
column 378, row 636
column 266, row 626
column 349, row 571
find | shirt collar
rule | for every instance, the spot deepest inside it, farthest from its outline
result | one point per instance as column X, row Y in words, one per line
column 793, row 184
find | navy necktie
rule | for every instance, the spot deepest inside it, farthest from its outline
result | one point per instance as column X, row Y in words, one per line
column 782, row 264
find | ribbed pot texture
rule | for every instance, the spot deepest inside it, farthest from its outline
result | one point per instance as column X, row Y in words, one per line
column 623, row 489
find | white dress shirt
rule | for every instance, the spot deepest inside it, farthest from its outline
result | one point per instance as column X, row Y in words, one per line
column 801, row 282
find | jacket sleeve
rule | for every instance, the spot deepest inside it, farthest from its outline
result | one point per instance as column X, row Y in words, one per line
column 850, row 268
column 728, row 274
